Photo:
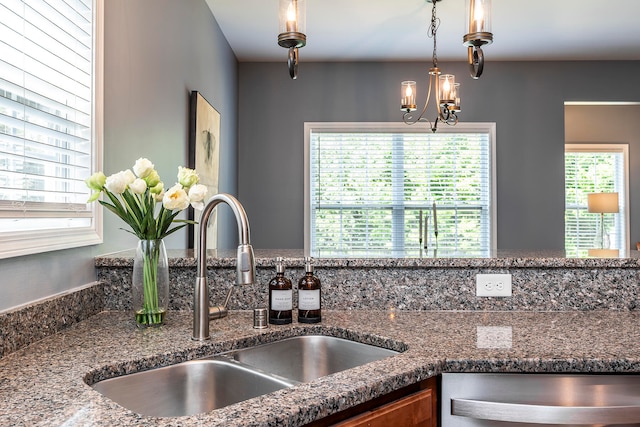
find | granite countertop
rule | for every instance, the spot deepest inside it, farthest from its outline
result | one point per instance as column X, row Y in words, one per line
column 44, row 383
column 295, row 257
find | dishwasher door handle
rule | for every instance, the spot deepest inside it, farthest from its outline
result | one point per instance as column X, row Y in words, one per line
column 544, row 414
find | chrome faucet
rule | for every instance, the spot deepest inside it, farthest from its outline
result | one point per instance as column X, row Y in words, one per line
column 246, row 269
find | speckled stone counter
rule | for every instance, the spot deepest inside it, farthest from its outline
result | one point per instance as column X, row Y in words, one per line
column 44, row 384
column 542, row 281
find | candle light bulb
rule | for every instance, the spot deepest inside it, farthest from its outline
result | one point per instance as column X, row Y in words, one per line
column 478, row 17
column 408, row 92
column 291, row 18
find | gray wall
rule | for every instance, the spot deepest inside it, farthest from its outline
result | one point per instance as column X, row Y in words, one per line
column 619, row 124
column 156, row 52
column 525, row 99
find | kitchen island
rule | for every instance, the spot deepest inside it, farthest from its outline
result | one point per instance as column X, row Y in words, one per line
column 45, row 383
column 564, row 315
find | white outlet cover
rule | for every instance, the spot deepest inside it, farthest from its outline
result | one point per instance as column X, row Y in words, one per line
column 493, row 285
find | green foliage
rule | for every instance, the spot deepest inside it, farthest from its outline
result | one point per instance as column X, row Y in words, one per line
column 369, row 191
column 137, row 211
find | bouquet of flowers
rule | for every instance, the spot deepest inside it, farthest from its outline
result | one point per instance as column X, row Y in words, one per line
column 133, row 196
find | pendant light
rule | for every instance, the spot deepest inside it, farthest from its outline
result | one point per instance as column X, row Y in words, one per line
column 479, row 20
column 292, row 25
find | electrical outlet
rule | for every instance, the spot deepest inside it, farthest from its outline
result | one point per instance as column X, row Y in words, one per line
column 493, row 285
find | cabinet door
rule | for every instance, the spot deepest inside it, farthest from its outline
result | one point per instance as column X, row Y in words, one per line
column 412, row 411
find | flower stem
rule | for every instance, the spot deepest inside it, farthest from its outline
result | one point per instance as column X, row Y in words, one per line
column 150, row 313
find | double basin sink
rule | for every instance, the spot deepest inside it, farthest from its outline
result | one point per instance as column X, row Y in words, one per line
column 210, row 383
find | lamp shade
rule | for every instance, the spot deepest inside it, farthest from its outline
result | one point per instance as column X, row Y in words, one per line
column 602, row 202
column 408, row 102
column 479, row 16
column 292, row 16
column 447, row 89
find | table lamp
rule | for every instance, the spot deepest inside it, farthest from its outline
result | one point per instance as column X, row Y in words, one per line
column 602, row 203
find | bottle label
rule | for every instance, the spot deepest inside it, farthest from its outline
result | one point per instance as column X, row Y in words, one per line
column 282, row 300
column 309, row 299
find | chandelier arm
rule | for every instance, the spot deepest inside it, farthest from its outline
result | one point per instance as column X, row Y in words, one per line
column 407, row 117
column 292, row 62
column 476, row 61
column 452, row 118
column 441, row 110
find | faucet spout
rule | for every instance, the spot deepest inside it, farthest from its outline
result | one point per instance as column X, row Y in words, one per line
column 245, row 267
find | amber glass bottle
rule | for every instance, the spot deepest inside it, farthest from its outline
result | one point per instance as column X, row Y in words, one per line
column 280, row 297
column 309, row 296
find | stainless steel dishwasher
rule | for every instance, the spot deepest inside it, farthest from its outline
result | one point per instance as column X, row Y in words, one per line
column 470, row 399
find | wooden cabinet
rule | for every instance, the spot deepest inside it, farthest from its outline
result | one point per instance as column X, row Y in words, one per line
column 413, row 406
column 411, row 411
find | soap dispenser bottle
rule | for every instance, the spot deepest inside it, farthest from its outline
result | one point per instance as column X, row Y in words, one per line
column 280, row 297
column 309, row 295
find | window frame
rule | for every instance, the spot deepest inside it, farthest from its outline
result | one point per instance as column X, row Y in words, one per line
column 400, row 127
column 607, row 148
column 13, row 244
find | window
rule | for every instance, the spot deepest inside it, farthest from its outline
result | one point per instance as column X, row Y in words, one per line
column 595, row 168
column 367, row 183
column 50, row 123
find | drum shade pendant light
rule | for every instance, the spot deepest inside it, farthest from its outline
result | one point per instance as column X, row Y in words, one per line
column 292, row 20
column 479, row 19
column 443, row 87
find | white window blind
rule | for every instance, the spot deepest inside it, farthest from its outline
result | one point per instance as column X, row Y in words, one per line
column 368, row 186
column 594, row 168
column 48, row 102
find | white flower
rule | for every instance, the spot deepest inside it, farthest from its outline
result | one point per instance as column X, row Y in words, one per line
column 96, row 183
column 143, row 167
column 118, row 182
column 197, row 194
column 187, row 177
column 175, row 198
column 156, row 189
column 159, row 196
column 152, row 179
column 138, row 186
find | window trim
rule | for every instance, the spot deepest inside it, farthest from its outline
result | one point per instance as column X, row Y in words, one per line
column 14, row 244
column 607, row 148
column 489, row 127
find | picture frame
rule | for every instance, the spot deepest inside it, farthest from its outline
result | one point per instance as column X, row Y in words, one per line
column 204, row 157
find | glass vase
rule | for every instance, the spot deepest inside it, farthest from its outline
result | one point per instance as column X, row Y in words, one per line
column 150, row 285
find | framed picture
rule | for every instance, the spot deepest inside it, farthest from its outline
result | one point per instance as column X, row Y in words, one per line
column 204, row 157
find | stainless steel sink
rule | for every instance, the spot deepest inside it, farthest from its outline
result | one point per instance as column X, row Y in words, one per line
column 306, row 358
column 203, row 385
column 188, row 388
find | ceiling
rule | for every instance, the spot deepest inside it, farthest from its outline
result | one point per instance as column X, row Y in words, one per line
column 386, row 30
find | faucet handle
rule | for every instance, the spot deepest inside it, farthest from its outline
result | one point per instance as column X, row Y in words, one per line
column 246, row 268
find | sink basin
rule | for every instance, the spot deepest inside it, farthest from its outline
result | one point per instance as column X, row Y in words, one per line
column 206, row 384
column 306, row 358
column 188, row 388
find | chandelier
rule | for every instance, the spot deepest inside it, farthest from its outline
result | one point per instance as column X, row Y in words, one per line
column 446, row 92
column 443, row 87
column 292, row 20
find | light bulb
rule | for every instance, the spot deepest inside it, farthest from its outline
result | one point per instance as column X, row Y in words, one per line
column 478, row 16
column 446, row 86
column 291, row 18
